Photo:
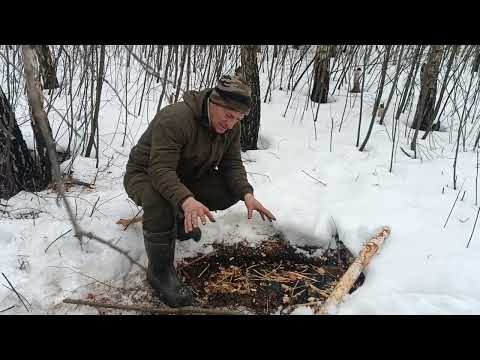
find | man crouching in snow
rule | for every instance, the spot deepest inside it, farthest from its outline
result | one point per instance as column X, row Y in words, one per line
column 186, row 164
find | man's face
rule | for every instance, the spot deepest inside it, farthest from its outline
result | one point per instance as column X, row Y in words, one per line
column 222, row 118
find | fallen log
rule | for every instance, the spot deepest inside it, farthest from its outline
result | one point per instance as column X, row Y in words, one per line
column 164, row 311
column 351, row 275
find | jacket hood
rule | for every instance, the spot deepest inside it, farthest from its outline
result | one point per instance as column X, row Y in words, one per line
column 197, row 102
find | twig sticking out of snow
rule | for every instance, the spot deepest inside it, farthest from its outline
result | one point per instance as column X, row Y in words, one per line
column 126, row 223
column 406, row 153
column 459, row 191
column 65, row 233
column 475, row 224
column 94, row 205
column 11, row 307
column 320, row 181
column 15, row 291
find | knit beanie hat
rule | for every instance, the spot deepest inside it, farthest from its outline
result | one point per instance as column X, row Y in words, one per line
column 232, row 92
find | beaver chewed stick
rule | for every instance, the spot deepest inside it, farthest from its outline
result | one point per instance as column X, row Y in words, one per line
column 351, row 275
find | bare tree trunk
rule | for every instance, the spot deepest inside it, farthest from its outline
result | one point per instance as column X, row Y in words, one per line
column 145, row 80
column 383, row 75
column 182, row 65
column 379, row 96
column 394, row 86
column 8, row 73
column 127, row 72
column 296, row 83
column 415, row 60
column 98, row 95
column 365, row 60
column 70, row 90
column 333, row 51
column 293, row 69
column 47, row 68
column 165, row 74
column 222, row 61
column 356, row 80
column 463, row 122
column 476, row 62
column 84, row 108
column 409, row 99
column 159, row 60
column 442, row 91
column 341, row 79
column 17, row 169
column 207, row 69
column 284, row 56
column 321, row 78
column 426, row 101
column 270, row 74
column 176, row 65
column 188, row 68
column 250, row 125
column 394, row 136
column 43, row 165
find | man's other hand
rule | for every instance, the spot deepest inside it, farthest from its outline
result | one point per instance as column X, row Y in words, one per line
column 253, row 204
column 193, row 210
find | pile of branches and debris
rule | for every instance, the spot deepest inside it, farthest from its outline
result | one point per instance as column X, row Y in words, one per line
column 273, row 277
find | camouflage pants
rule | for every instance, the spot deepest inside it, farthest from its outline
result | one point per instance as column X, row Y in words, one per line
column 158, row 213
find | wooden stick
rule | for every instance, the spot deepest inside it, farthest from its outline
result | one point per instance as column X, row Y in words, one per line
column 65, row 233
column 206, row 267
column 15, row 291
column 320, row 181
column 165, row 311
column 478, row 212
column 126, row 222
column 135, row 219
column 351, row 275
column 11, row 307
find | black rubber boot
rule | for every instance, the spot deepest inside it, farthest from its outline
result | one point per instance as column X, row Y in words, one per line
column 161, row 272
column 195, row 234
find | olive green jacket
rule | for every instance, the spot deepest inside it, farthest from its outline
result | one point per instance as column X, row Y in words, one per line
column 179, row 147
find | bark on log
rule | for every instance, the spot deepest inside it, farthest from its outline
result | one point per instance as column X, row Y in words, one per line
column 351, row 275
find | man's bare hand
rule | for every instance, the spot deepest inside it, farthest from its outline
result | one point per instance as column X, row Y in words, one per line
column 253, row 204
column 193, row 210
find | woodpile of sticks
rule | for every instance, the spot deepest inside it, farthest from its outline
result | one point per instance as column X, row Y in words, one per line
column 248, row 280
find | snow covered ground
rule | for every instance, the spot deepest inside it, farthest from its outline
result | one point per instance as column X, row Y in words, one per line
column 422, row 268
